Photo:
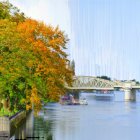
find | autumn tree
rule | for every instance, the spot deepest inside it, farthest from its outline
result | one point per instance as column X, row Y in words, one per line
column 50, row 68
column 33, row 63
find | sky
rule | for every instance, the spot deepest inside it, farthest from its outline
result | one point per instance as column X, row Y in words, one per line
column 104, row 34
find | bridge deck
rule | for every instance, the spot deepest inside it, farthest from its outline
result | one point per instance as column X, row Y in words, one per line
column 89, row 88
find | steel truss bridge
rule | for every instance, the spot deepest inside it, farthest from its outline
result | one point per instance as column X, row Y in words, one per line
column 81, row 83
column 94, row 83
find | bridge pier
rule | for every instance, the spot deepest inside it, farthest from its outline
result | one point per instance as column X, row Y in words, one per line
column 130, row 94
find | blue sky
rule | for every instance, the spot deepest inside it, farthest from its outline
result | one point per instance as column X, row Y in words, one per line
column 104, row 34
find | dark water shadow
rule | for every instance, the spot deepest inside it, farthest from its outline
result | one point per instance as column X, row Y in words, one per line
column 33, row 128
column 104, row 98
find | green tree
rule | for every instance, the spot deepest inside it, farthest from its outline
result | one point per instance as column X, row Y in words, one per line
column 11, row 66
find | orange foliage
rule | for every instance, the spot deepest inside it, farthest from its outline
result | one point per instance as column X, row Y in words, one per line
column 50, row 62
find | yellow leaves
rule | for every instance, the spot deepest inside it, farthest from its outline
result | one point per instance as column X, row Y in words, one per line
column 28, row 101
column 51, row 81
column 28, row 107
column 30, row 63
column 49, row 31
column 2, row 69
column 35, row 99
column 34, row 96
column 6, row 25
column 40, row 45
column 29, row 39
column 27, row 29
column 39, row 67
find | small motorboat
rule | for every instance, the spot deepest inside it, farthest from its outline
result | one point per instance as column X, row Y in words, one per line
column 83, row 101
column 69, row 100
column 65, row 100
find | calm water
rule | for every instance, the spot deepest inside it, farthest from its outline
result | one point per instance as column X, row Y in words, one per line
column 101, row 119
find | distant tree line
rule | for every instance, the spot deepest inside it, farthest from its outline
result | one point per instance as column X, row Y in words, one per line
column 104, row 77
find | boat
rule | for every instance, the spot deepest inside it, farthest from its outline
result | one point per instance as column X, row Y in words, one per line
column 65, row 100
column 83, row 101
column 69, row 100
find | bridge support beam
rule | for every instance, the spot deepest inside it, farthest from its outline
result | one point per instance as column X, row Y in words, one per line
column 130, row 95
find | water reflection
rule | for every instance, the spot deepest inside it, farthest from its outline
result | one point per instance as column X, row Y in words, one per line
column 104, row 98
column 42, row 129
column 20, row 133
column 100, row 119
column 29, row 125
column 34, row 128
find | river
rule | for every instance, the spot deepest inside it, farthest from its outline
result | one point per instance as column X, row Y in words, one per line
column 102, row 119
